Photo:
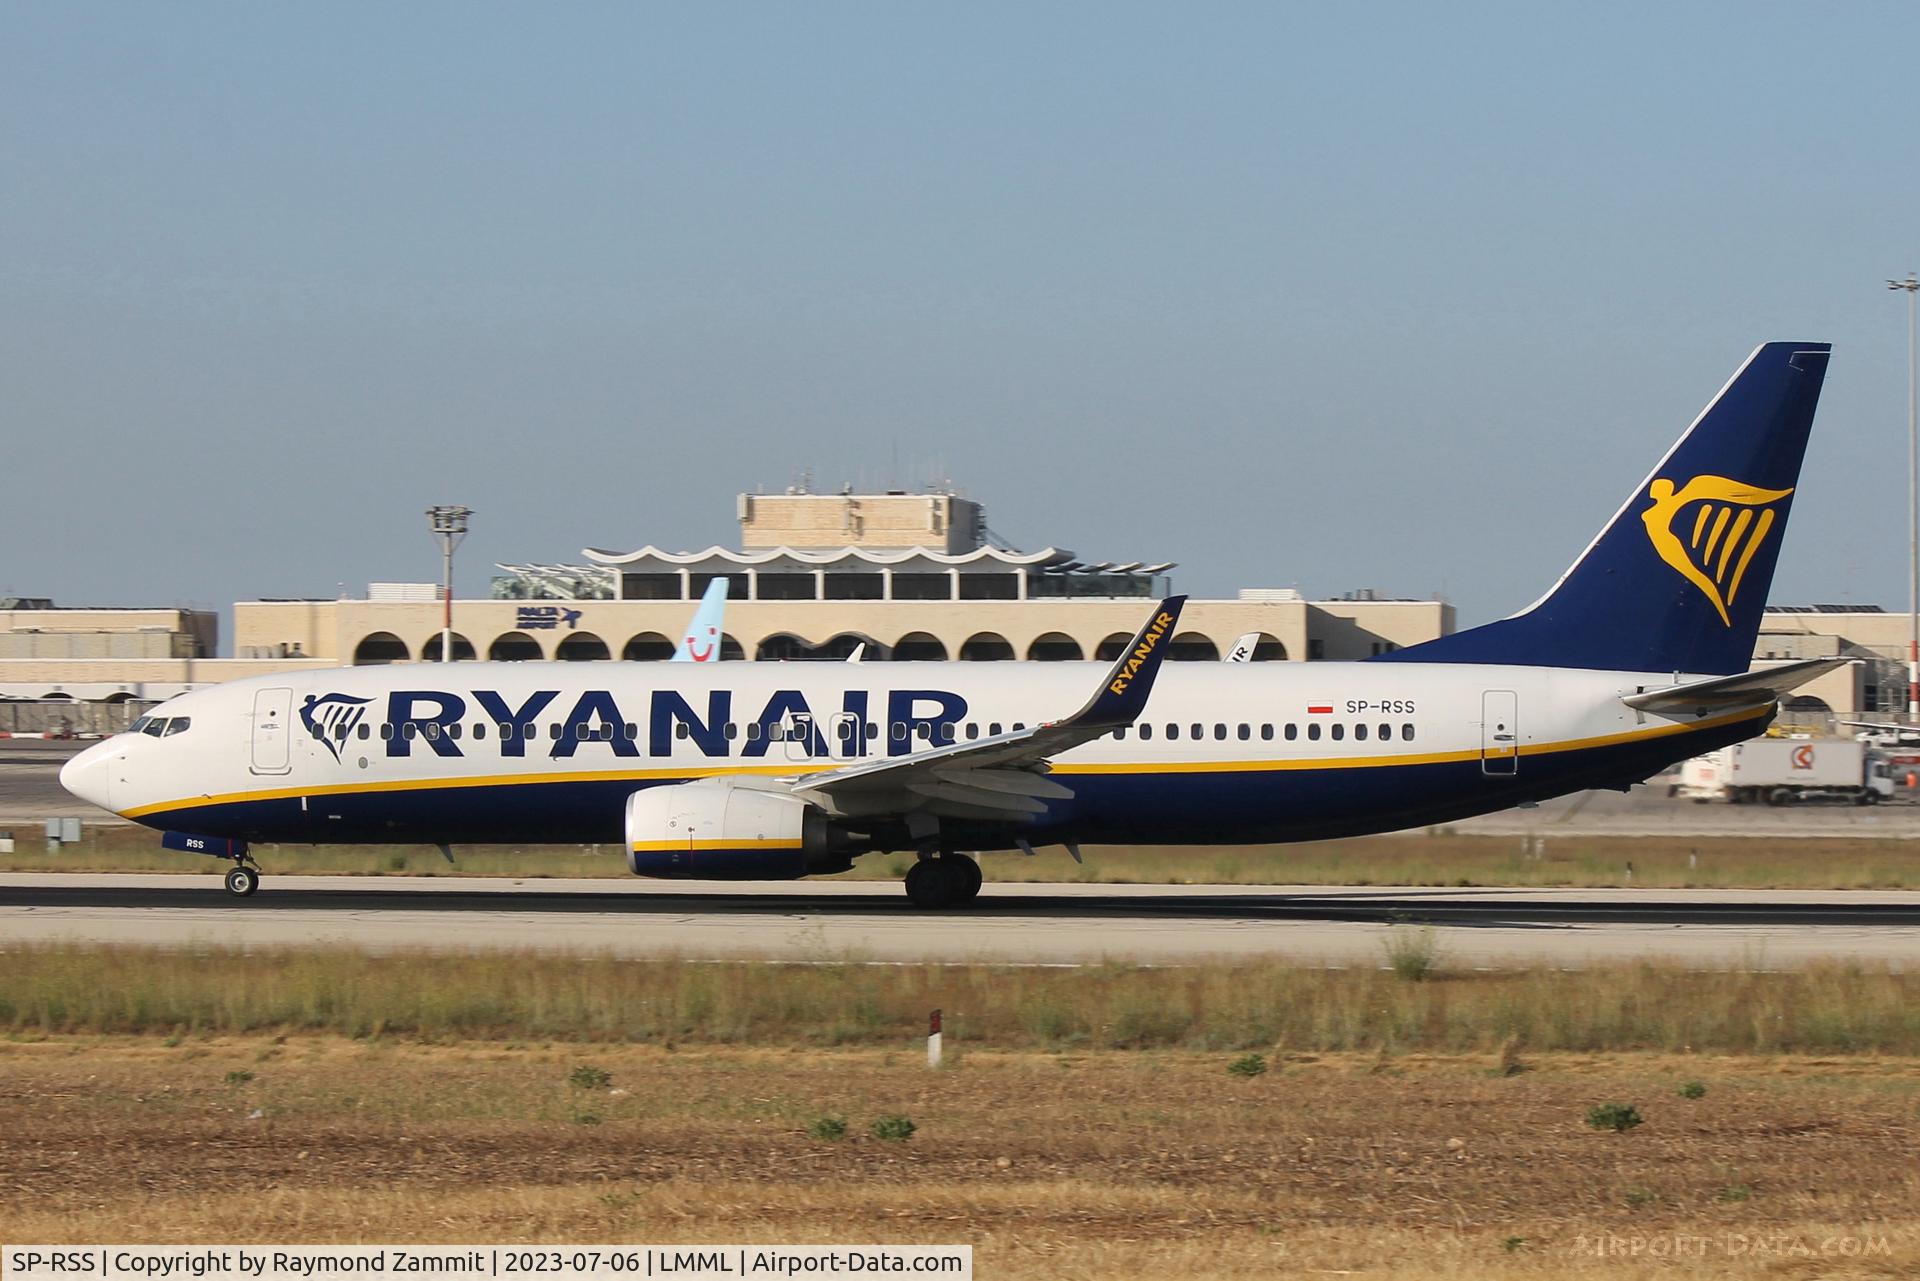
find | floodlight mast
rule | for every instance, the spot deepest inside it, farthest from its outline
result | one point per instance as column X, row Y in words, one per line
column 1911, row 285
column 450, row 527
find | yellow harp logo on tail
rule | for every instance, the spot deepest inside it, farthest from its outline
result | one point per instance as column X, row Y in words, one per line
column 1709, row 530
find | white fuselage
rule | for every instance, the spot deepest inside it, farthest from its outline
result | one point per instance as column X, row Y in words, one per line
column 474, row 752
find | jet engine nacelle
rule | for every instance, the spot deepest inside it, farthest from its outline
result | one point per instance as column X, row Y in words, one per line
column 723, row 830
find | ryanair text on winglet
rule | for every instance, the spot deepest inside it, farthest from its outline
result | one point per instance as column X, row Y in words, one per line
column 1149, row 639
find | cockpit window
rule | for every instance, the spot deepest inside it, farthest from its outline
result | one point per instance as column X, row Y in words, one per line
column 156, row 726
column 178, row 725
column 139, row 726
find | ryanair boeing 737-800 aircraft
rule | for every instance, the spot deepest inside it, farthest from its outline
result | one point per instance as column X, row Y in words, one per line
column 1635, row 659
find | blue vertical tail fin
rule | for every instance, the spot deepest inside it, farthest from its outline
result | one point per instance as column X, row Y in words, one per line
column 1678, row 579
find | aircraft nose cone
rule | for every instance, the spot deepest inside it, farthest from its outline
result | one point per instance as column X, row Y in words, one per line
column 86, row 774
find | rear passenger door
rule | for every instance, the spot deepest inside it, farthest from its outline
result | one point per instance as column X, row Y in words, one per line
column 1500, row 732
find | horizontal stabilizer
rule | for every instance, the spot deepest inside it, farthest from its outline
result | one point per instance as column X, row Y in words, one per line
column 1745, row 689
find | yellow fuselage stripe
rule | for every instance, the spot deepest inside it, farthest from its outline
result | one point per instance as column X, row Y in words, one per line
column 794, row 767
column 644, row 847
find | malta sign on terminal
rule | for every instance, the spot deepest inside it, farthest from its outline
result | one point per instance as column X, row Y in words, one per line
column 545, row 618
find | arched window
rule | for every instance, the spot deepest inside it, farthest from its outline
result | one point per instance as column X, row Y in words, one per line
column 380, row 647
column 919, row 647
column 514, row 647
column 1192, row 647
column 1055, row 647
column 462, row 649
column 1268, row 650
column 581, row 647
column 986, row 647
column 647, row 647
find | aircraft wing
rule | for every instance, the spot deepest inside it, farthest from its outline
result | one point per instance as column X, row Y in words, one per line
column 1001, row 776
column 1742, row 689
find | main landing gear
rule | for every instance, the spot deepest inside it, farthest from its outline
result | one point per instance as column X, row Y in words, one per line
column 243, row 878
column 942, row 881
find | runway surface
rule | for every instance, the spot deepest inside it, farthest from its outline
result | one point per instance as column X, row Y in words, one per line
column 1044, row 924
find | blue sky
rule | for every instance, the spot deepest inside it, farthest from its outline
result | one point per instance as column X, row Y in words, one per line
column 1327, row 296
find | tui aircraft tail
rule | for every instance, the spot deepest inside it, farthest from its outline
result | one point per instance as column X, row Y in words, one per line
column 1678, row 579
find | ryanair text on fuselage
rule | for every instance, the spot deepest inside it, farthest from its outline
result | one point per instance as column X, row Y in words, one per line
column 425, row 719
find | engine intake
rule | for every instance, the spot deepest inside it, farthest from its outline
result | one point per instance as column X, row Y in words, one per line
column 720, row 829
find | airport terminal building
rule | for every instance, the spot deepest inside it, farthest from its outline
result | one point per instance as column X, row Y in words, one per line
column 906, row 575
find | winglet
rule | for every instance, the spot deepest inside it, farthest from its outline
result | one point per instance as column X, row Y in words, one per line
column 1123, row 693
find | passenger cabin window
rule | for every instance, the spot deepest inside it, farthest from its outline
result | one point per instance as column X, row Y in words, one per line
column 1219, row 732
column 1173, row 731
column 680, row 730
column 1360, row 732
column 1338, row 731
column 1406, row 731
column 1266, row 733
column 1293, row 731
column 993, row 729
column 1246, row 731
column 1386, row 731
column 1146, row 731
column 1313, row 731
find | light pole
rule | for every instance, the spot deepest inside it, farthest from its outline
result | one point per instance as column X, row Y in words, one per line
column 1912, row 286
column 449, row 526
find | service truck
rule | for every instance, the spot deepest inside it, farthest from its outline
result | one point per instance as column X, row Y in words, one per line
column 1788, row 771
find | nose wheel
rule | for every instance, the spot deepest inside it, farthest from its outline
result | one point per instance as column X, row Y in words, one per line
column 242, row 880
column 951, row 880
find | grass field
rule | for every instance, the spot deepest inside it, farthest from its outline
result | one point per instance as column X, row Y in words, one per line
column 1435, row 858
column 1207, row 1122
column 1091, row 1165
column 1262, row 1005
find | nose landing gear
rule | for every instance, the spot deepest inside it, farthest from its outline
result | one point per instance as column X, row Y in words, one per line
column 947, row 880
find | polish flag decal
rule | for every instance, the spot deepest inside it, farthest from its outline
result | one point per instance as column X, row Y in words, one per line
column 1320, row 709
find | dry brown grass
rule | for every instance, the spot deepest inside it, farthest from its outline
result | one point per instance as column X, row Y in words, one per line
column 1823, row 1008
column 1082, row 1165
column 1436, row 858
